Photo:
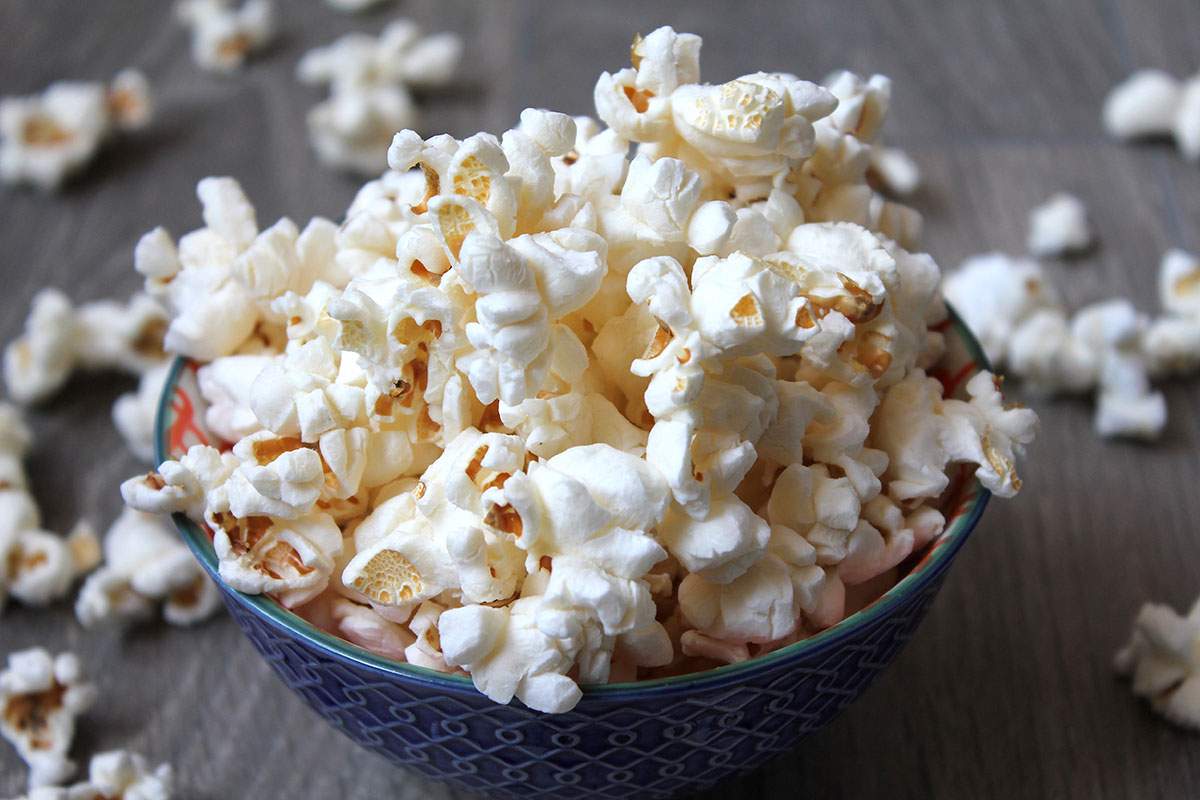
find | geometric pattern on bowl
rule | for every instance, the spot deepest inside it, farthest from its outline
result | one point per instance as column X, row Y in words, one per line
column 650, row 739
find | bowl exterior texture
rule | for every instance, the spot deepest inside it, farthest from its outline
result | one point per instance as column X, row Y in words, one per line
column 679, row 740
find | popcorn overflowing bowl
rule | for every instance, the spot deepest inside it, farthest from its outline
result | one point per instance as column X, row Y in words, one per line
column 655, row 738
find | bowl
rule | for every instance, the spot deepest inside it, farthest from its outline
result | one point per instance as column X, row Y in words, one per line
column 650, row 739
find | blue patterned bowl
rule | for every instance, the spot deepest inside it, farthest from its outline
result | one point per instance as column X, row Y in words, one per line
column 650, row 739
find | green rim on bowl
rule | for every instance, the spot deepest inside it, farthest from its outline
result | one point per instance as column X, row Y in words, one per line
column 938, row 554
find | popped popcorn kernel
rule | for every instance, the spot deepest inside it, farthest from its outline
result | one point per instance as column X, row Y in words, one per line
column 48, row 137
column 40, row 697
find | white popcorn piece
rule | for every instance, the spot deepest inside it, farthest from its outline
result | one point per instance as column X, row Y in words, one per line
column 1048, row 357
column 225, row 384
column 508, row 655
column 721, row 546
column 41, row 566
column 1161, row 660
column 426, row 649
column 987, row 433
column 122, row 775
column 1144, row 104
column 1187, row 120
column 145, row 564
column 764, row 603
column 365, row 628
column 369, row 80
column 115, row 775
column 1059, row 226
column 1172, row 346
column 1126, row 406
column 41, row 695
column 1179, row 283
column 126, row 336
column 183, row 485
column 896, row 170
column 224, row 34
column 277, row 477
column 46, row 138
column 290, row 559
column 993, row 293
column 59, row 337
column 39, row 362
column 134, row 413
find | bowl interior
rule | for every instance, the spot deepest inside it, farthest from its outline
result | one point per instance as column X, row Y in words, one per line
column 180, row 424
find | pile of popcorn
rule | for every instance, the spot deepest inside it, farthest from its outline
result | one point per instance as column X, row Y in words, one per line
column 40, row 698
column 553, row 416
column 1108, row 347
column 46, row 138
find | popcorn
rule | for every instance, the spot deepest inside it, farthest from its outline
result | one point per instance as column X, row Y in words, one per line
column 223, row 36
column 1161, row 660
column 369, row 80
column 764, row 603
column 38, row 363
column 36, row 567
column 1187, row 120
column 226, row 384
column 41, row 695
column 289, row 558
column 122, row 775
column 145, row 563
column 134, row 413
column 1179, row 283
column 1059, row 226
column 1144, row 104
column 365, row 628
column 1153, row 103
column 507, row 655
column 555, row 415
column 46, row 138
column 993, row 293
column 58, row 338
column 896, row 170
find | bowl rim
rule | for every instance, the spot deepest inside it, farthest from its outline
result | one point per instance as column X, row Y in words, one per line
column 940, row 553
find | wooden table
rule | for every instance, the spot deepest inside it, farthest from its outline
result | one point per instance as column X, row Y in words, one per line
column 1005, row 692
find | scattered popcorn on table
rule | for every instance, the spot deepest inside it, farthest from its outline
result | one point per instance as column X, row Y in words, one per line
column 1153, row 103
column 36, row 567
column 553, row 415
column 1109, row 347
column 60, row 337
column 116, row 775
column 40, row 697
column 225, row 33
column 145, row 564
column 369, row 81
column 1162, row 659
column 1059, row 226
column 46, row 138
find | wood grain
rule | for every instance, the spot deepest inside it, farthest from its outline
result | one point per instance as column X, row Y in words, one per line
column 1005, row 692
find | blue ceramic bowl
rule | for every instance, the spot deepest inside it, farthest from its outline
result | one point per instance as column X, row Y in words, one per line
column 650, row 739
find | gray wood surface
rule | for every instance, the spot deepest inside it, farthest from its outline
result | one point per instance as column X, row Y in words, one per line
column 1005, row 692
